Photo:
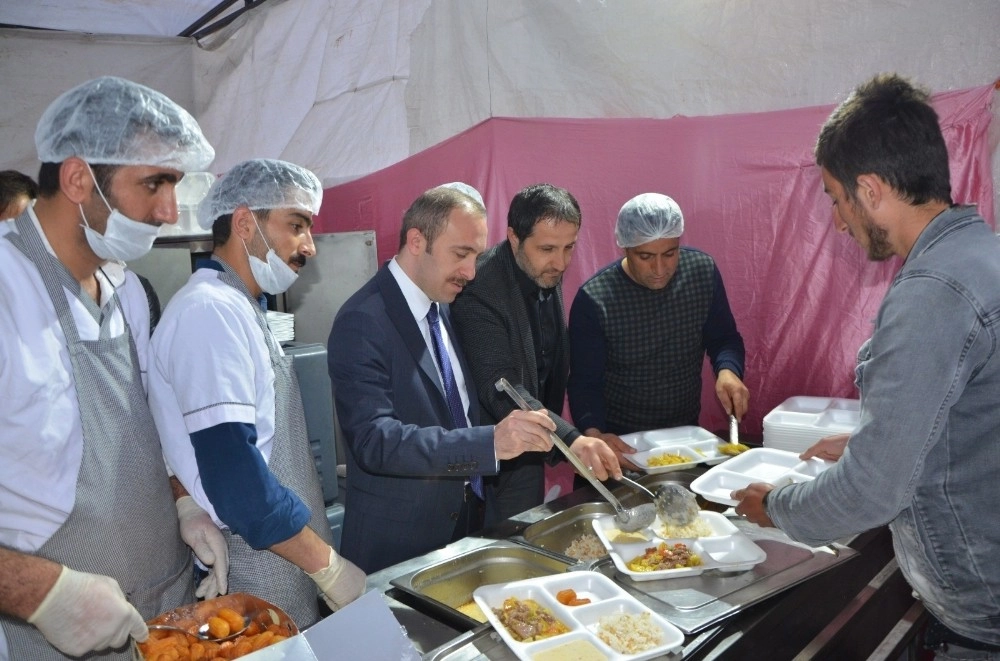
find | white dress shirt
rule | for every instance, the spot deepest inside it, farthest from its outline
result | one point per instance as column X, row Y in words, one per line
column 420, row 304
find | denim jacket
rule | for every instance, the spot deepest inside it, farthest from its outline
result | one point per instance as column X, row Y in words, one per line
column 926, row 456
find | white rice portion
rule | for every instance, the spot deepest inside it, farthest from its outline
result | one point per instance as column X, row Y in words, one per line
column 629, row 634
column 586, row 547
column 697, row 528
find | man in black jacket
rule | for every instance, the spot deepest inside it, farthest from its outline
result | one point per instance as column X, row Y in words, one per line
column 511, row 323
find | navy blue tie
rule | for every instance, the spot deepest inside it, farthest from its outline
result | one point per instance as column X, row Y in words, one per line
column 450, row 387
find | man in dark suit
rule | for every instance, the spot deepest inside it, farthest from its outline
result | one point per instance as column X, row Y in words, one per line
column 416, row 452
column 511, row 323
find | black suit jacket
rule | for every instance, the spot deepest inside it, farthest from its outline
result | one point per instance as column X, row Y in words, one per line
column 491, row 318
column 406, row 466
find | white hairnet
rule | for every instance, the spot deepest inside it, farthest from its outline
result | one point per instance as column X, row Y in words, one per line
column 463, row 187
column 114, row 121
column 648, row 217
column 261, row 183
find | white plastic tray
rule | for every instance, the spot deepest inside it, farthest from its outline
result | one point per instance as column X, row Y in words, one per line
column 704, row 442
column 606, row 598
column 776, row 467
column 798, row 422
column 726, row 549
column 693, row 454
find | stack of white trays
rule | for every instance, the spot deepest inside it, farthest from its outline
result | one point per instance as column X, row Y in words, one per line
column 801, row 421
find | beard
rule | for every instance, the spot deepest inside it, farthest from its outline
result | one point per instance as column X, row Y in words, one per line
column 879, row 249
column 543, row 280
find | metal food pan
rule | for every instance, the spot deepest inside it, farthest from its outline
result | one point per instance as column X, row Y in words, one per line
column 555, row 533
column 443, row 587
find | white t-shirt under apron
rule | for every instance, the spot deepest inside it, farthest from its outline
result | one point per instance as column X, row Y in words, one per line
column 209, row 365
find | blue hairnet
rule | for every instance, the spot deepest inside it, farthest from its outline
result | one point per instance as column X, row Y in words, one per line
column 114, row 121
column 261, row 183
column 648, row 217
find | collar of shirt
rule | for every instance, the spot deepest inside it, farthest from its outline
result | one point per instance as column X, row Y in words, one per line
column 418, row 302
column 215, row 264
column 111, row 275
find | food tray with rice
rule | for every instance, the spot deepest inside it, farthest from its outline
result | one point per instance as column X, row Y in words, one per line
column 705, row 446
column 662, row 551
column 578, row 615
column 266, row 625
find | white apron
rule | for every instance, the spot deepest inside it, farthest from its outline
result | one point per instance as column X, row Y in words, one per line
column 124, row 522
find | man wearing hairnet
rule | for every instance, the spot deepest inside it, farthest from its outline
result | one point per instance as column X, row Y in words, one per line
column 641, row 326
column 227, row 402
column 89, row 543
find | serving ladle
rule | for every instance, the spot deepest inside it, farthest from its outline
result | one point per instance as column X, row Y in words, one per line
column 201, row 633
column 676, row 505
column 627, row 519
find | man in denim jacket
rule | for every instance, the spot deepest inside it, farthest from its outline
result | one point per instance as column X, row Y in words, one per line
column 926, row 456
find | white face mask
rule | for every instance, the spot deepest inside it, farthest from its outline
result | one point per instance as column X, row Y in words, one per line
column 123, row 239
column 274, row 276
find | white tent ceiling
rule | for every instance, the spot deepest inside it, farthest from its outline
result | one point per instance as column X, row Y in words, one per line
column 156, row 18
column 347, row 87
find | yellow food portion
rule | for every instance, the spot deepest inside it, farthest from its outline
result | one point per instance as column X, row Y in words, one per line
column 667, row 459
column 578, row 650
column 732, row 449
column 622, row 537
column 472, row 609
column 665, row 556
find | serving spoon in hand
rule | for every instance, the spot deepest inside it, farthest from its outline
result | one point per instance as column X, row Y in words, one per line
column 627, row 519
column 201, row 633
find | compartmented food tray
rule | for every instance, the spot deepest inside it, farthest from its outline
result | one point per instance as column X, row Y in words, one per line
column 611, row 625
column 777, row 467
column 704, row 444
column 798, row 422
column 669, row 458
column 724, row 548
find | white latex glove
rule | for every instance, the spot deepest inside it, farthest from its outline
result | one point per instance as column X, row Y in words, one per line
column 340, row 583
column 204, row 537
column 87, row 612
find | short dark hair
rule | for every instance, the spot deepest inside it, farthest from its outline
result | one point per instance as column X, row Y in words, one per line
column 888, row 128
column 222, row 228
column 429, row 213
column 48, row 177
column 14, row 184
column 541, row 202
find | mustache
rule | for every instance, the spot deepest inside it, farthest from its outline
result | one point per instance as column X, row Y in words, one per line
column 461, row 282
column 300, row 260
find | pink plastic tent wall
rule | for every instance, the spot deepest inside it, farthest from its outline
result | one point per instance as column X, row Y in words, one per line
column 803, row 295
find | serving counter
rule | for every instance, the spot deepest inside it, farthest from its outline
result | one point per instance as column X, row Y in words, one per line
column 844, row 601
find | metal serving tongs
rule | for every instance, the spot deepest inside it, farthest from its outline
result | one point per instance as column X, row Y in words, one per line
column 628, row 519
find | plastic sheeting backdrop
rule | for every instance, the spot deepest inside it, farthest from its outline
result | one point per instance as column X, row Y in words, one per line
column 803, row 295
